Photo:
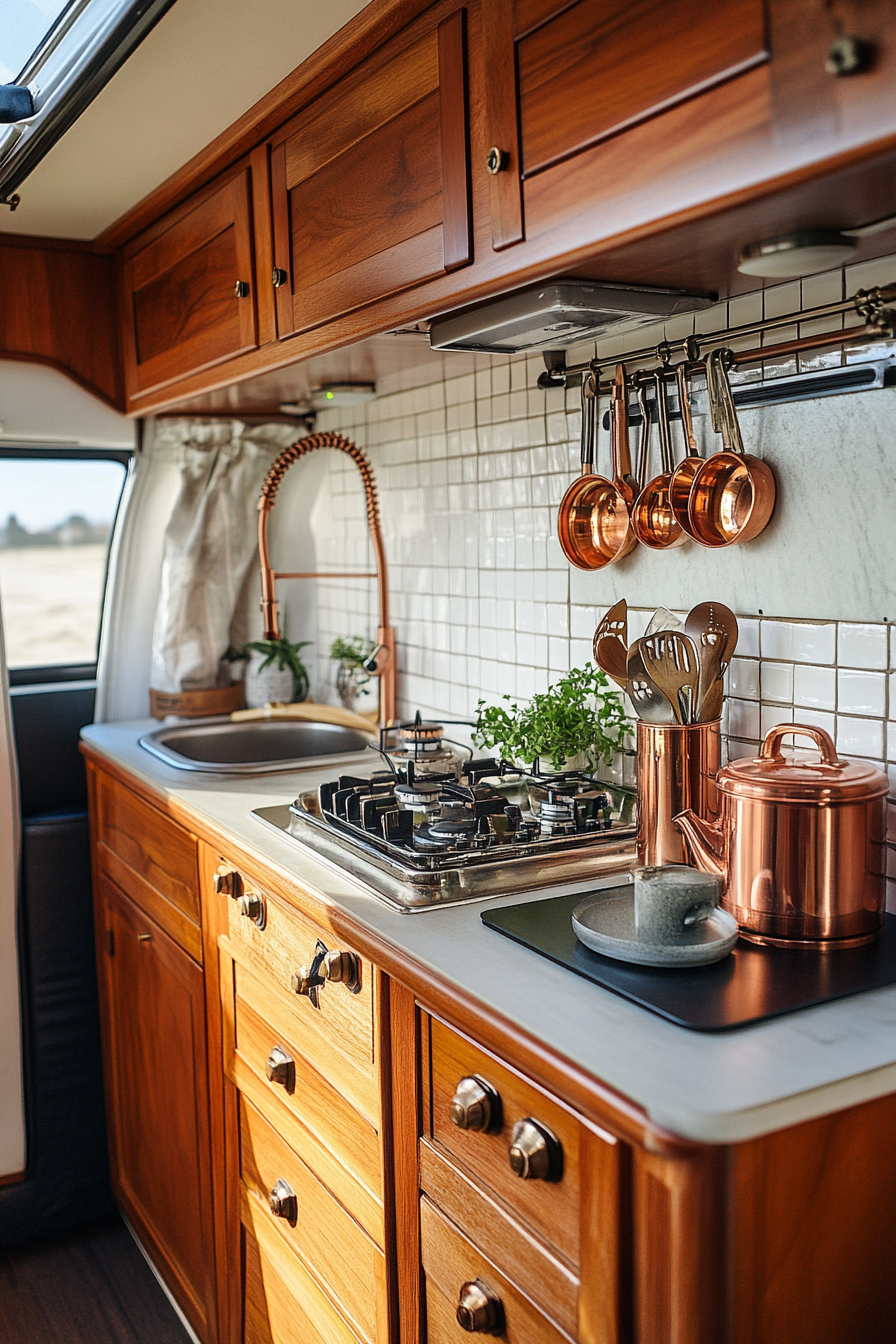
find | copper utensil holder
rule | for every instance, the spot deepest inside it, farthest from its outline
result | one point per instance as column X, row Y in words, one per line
column 677, row 768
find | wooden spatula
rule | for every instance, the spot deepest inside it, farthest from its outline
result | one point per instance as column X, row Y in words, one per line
column 671, row 662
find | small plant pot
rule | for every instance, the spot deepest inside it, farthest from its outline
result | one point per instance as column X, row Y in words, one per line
column 350, row 683
column 269, row 685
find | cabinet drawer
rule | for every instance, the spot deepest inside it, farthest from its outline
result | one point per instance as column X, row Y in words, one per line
column 282, row 1302
column 549, row 1281
column 303, row 1105
column 151, row 858
column 330, row 1244
column 450, row 1261
column 335, row 1025
column 548, row 1206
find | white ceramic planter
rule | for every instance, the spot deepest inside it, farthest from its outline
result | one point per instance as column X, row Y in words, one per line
column 273, row 684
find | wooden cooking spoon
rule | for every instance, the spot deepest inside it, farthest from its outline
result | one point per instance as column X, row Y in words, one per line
column 671, row 661
column 610, row 643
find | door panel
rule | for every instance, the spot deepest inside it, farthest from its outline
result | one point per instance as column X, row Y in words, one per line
column 157, row 1098
column 370, row 184
column 182, row 309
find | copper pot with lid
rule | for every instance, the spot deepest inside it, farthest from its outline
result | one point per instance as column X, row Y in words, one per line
column 799, row 844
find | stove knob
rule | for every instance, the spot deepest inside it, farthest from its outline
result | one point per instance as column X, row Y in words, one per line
column 476, row 1105
column 283, row 1202
column 281, row 1068
column 343, row 968
column 535, row 1153
column 228, row 882
column 479, row 1310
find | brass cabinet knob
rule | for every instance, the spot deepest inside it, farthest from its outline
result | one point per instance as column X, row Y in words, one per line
column 252, row 907
column 342, row 968
column 479, row 1310
column 475, row 1105
column 496, row 160
column 283, row 1202
column 241, row 289
column 281, row 1068
column 535, row 1153
column 228, row 883
column 279, row 277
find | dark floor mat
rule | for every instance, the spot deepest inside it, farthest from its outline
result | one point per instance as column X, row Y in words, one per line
column 87, row 1287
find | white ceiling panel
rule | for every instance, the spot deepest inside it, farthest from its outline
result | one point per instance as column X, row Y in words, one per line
column 203, row 65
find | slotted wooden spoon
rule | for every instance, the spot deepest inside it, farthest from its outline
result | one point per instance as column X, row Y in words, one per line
column 671, row 662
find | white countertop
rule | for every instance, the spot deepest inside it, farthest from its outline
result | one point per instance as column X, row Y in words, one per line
column 711, row 1087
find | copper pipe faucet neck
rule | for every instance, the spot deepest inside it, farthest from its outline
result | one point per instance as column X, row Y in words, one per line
column 385, row 667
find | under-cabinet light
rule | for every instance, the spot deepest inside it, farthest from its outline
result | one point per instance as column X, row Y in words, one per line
column 793, row 254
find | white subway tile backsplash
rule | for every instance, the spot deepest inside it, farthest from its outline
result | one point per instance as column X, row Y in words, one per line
column 860, row 737
column 891, row 741
column 861, row 692
column 776, row 681
column 747, row 637
column 743, row 719
column 776, row 639
column 743, row 678
column 862, row 646
column 814, row 643
column 814, row 687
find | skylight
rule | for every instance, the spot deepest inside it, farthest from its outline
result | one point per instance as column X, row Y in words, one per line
column 63, row 52
column 24, row 26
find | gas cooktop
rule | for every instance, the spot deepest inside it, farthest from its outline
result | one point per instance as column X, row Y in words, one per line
column 420, row 839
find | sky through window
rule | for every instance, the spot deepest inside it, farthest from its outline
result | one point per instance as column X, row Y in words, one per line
column 23, row 25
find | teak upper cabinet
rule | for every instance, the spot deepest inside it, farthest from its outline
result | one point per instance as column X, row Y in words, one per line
column 188, row 287
column 564, row 77
column 370, row 183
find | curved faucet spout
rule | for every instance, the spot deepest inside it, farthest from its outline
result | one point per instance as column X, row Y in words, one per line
column 385, row 660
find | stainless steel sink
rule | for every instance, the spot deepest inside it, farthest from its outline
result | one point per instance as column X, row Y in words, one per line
column 252, row 747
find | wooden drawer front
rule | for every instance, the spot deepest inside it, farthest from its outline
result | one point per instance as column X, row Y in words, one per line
column 369, row 184
column 283, row 1304
column 337, row 1036
column 550, row 1208
column 330, row 1244
column 183, row 312
column 151, row 858
column 449, row 1262
column 341, row 1147
column 585, row 72
column 521, row 1257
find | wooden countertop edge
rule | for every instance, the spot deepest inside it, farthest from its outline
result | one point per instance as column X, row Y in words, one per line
column 598, row 1102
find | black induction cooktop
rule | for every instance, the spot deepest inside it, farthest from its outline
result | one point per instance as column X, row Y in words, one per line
column 750, row 984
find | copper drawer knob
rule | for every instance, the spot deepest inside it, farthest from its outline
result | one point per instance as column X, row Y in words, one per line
column 281, row 1068
column 342, row 968
column 228, row 883
column 279, row 277
column 252, row 907
column 475, row 1105
column 535, row 1153
column 479, row 1310
column 283, row 1202
column 241, row 289
column 497, row 160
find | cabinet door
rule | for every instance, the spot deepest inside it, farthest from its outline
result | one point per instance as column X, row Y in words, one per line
column 157, row 1098
column 566, row 76
column 189, row 288
column 370, row 183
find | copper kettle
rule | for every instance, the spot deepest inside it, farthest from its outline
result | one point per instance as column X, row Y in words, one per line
column 799, row 845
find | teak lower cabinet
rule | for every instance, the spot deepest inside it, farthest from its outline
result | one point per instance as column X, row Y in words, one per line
column 315, row 1152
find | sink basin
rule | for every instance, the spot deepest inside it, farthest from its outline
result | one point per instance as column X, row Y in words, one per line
column 254, row 746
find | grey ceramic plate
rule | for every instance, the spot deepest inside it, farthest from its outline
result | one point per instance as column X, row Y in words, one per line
column 606, row 924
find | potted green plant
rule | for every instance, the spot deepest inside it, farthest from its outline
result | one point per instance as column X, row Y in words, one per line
column 275, row 673
column 352, row 678
column 575, row 724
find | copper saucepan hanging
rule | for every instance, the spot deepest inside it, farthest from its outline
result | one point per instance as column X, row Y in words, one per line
column 569, row 515
column 683, row 475
column 653, row 522
column 733, row 494
column 594, row 528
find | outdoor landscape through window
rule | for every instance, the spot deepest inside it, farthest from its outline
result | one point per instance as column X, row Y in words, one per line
column 56, row 519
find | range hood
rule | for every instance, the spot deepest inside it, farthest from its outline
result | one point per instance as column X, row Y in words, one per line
column 556, row 314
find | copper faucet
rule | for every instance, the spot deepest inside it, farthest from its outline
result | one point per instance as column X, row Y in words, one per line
column 381, row 662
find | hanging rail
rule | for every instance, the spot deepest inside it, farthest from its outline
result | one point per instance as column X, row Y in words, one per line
column 868, row 303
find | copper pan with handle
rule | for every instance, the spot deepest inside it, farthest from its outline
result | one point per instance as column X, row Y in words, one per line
column 594, row 525
column 733, row 493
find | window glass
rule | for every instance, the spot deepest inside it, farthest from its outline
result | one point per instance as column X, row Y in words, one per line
column 24, row 26
column 56, row 520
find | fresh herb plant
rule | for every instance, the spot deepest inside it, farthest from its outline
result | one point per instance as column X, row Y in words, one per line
column 578, row 715
column 353, row 652
column 285, row 655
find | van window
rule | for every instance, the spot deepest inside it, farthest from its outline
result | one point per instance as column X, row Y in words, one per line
column 56, row 517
